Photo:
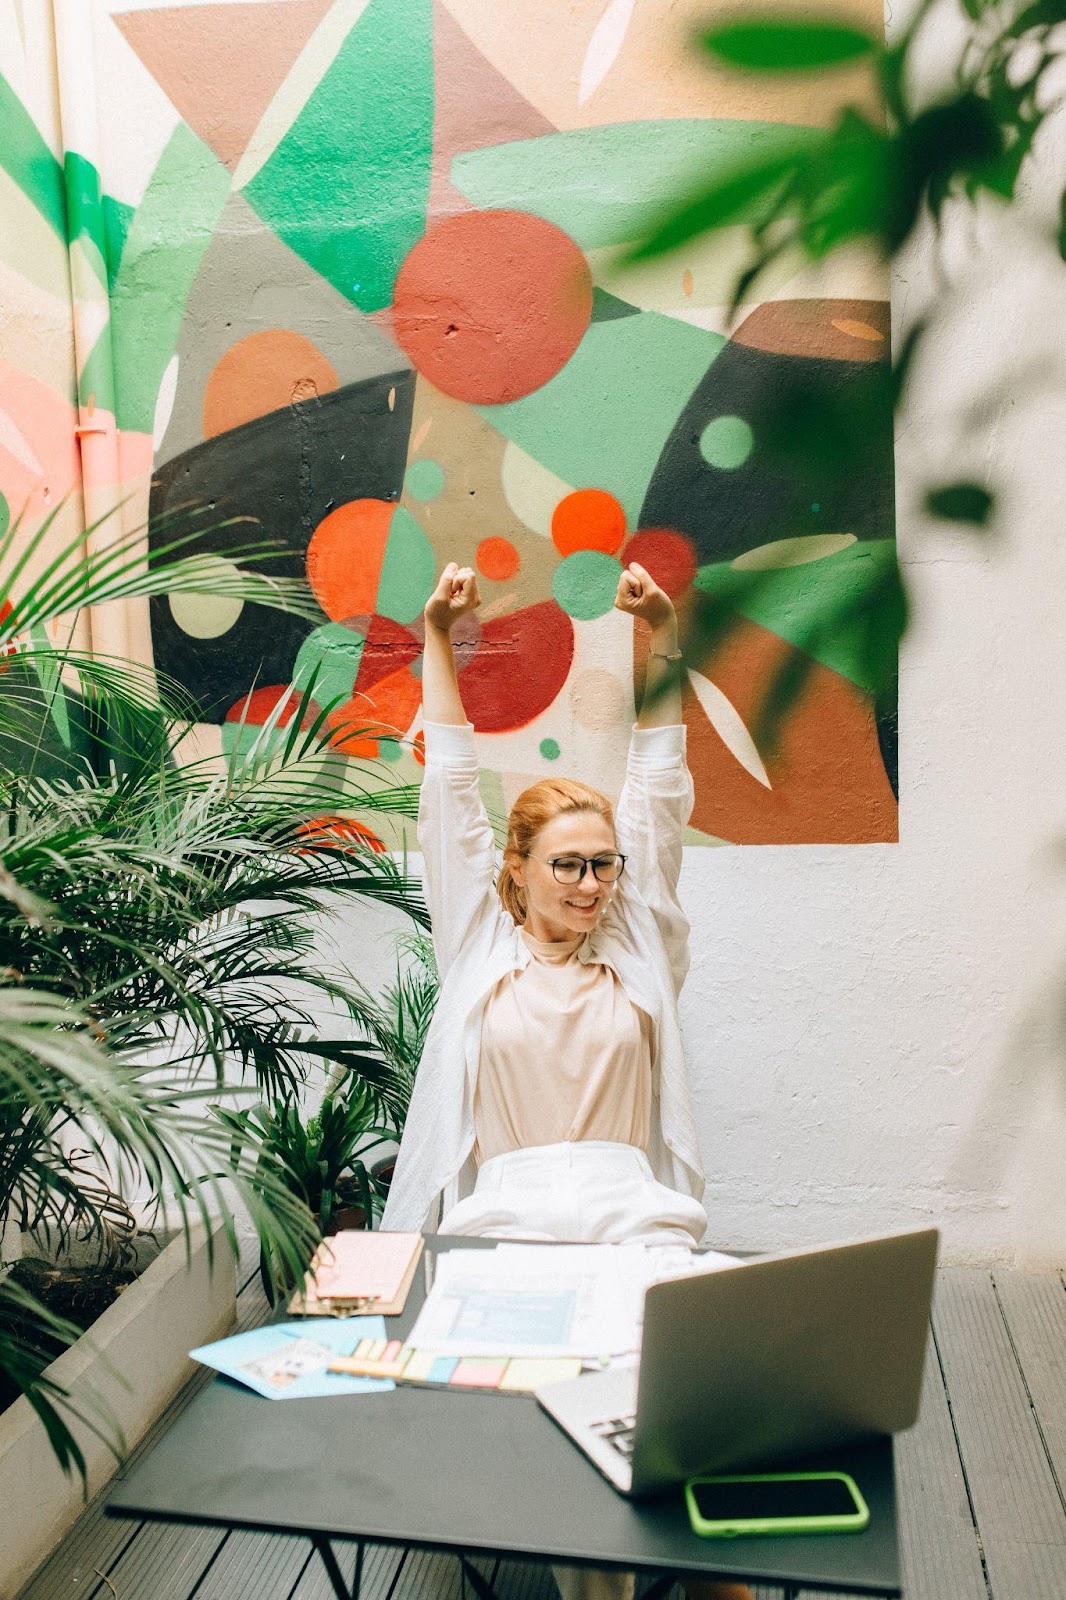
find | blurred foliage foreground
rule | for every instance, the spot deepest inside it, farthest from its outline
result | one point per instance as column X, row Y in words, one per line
column 873, row 183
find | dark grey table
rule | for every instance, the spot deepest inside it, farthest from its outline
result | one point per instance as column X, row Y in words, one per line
column 473, row 1473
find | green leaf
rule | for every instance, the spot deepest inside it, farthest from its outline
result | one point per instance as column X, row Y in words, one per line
column 1040, row 14
column 747, row 193
column 775, row 41
column 961, row 502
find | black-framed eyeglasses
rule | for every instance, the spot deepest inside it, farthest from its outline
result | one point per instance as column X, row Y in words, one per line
column 606, row 868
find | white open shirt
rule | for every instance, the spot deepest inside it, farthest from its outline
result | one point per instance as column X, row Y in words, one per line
column 642, row 936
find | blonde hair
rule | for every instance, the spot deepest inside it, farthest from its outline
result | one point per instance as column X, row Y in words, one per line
column 535, row 807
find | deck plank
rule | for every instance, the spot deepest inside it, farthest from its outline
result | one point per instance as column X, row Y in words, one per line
column 248, row 1566
column 525, row 1580
column 940, row 1555
column 164, row 1562
column 1034, row 1308
column 427, row 1576
column 1019, row 1511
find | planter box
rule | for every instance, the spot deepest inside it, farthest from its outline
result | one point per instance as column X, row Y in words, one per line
column 146, row 1336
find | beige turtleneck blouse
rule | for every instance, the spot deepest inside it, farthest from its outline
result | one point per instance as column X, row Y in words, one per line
column 565, row 1056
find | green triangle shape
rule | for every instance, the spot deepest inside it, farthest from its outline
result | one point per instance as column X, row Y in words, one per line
column 347, row 186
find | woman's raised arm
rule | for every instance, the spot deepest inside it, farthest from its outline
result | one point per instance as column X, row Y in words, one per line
column 656, row 798
column 453, row 830
column 454, row 597
column 640, row 596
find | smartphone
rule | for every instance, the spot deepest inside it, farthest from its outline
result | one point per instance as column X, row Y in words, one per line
column 775, row 1502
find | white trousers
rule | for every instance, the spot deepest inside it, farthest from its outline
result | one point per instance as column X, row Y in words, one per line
column 591, row 1192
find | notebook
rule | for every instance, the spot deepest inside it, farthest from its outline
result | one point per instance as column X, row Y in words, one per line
column 359, row 1271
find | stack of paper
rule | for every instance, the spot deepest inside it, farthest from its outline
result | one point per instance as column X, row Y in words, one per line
column 535, row 1302
column 359, row 1271
column 524, row 1300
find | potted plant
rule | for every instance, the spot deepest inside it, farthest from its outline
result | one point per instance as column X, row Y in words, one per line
column 320, row 1158
column 397, row 1022
column 323, row 1158
column 155, row 923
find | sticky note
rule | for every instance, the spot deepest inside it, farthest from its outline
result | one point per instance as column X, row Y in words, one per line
column 478, row 1374
column 526, row 1372
column 392, row 1350
column 442, row 1369
column 419, row 1366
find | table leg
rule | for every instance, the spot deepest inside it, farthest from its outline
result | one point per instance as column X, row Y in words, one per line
column 333, row 1571
column 480, row 1585
column 660, row 1588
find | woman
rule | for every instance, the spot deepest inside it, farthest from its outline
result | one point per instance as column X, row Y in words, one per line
column 551, row 1100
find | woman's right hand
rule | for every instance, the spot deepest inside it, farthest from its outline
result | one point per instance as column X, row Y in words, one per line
column 455, row 596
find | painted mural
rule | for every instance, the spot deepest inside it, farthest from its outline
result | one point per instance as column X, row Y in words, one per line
column 349, row 275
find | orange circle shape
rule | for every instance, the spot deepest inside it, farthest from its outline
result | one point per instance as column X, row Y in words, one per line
column 588, row 519
column 344, row 558
column 490, row 304
column 386, row 710
column 264, row 372
column 497, row 559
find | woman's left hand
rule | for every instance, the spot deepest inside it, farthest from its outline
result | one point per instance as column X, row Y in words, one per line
column 640, row 596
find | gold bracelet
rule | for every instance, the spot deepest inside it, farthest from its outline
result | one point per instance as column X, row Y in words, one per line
column 662, row 655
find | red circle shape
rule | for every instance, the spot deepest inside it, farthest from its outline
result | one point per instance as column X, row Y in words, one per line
column 257, row 707
column 667, row 555
column 497, row 559
column 342, row 832
column 588, row 519
column 490, row 304
column 344, row 557
column 522, row 663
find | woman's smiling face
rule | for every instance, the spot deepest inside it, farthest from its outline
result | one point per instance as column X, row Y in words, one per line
column 554, row 910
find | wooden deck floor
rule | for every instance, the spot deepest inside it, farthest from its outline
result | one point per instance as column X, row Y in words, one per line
column 982, row 1484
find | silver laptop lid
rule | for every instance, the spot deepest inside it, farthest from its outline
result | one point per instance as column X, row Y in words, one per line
column 782, row 1355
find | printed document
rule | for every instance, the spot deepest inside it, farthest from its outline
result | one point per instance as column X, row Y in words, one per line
column 540, row 1301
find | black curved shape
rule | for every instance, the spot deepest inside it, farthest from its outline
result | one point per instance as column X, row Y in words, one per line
column 282, row 474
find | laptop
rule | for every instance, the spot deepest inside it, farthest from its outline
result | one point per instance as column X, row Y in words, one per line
column 755, row 1363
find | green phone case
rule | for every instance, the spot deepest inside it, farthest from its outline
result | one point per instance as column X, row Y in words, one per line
column 845, row 1522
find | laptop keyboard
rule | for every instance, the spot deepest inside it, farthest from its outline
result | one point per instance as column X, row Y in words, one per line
column 617, row 1432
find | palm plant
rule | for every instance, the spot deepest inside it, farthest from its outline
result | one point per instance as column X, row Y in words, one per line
column 317, row 1158
column 56, row 1076
column 323, row 1158
column 397, row 1020
column 160, row 919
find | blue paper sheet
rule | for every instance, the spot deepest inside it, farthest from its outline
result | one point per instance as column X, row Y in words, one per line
column 288, row 1361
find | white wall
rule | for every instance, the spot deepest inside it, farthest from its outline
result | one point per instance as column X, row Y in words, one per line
column 877, row 1035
